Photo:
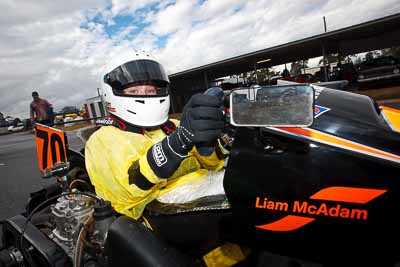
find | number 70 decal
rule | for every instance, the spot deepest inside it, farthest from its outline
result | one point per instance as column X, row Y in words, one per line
column 51, row 146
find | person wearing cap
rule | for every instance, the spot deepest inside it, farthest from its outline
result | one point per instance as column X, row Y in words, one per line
column 40, row 110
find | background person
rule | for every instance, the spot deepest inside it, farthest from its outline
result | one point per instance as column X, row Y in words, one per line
column 41, row 111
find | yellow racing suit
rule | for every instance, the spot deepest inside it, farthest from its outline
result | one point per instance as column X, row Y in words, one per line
column 115, row 158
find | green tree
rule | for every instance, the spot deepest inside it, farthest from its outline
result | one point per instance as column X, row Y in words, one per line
column 273, row 72
column 349, row 58
column 297, row 66
column 392, row 51
column 358, row 61
column 372, row 54
column 369, row 55
column 329, row 58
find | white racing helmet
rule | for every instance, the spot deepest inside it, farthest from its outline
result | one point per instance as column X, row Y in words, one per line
column 136, row 67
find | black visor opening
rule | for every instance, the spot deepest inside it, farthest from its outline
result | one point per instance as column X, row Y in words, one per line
column 141, row 71
column 159, row 92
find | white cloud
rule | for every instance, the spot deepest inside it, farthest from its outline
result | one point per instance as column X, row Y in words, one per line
column 56, row 47
column 260, row 24
column 125, row 7
column 172, row 18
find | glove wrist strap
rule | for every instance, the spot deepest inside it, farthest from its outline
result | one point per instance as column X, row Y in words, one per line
column 165, row 157
column 179, row 142
column 178, row 151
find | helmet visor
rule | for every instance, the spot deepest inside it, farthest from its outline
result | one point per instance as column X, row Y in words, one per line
column 148, row 90
column 135, row 72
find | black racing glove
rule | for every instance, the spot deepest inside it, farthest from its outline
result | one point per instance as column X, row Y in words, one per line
column 206, row 149
column 201, row 124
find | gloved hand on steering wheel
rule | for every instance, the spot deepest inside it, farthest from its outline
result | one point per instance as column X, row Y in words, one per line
column 201, row 124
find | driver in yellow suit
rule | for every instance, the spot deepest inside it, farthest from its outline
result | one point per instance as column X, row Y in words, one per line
column 138, row 154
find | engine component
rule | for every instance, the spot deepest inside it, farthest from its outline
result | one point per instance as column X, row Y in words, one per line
column 103, row 216
column 70, row 214
column 11, row 257
column 38, row 249
column 94, row 235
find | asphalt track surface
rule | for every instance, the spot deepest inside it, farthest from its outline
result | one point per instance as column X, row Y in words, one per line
column 19, row 172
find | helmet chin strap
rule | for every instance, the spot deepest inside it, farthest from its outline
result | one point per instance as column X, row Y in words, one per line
column 121, row 124
column 168, row 127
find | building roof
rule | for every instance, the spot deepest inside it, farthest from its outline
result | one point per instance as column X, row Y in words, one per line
column 376, row 34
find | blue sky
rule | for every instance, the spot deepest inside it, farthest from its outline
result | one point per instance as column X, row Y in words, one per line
column 57, row 47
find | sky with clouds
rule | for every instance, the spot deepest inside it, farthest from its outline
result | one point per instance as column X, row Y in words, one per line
column 56, row 47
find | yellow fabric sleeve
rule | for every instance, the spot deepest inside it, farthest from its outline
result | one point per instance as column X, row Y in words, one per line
column 211, row 162
column 110, row 152
column 108, row 155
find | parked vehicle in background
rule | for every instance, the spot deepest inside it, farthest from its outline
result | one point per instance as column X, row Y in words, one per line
column 16, row 126
column 274, row 79
column 300, row 78
column 67, row 112
column 11, row 124
column 378, row 70
column 345, row 71
column 304, row 78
